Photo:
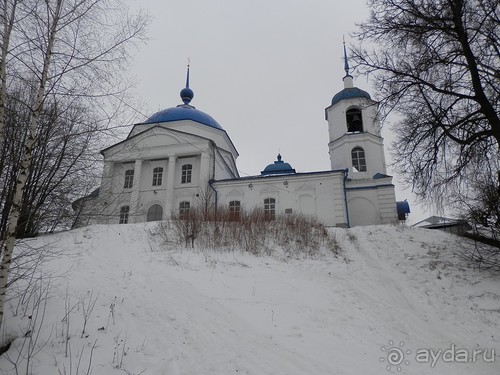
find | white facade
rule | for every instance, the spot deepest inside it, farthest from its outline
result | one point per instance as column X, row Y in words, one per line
column 365, row 133
column 167, row 164
column 318, row 194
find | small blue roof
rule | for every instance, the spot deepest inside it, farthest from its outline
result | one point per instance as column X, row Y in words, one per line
column 380, row 175
column 278, row 167
column 349, row 93
column 183, row 112
column 403, row 207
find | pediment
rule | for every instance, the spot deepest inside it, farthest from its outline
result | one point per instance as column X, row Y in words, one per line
column 160, row 136
column 154, row 140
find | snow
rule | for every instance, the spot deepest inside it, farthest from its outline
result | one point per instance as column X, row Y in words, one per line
column 184, row 311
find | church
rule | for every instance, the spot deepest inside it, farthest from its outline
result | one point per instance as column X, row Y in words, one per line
column 168, row 163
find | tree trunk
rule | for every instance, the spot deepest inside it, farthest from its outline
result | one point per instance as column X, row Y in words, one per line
column 7, row 29
column 8, row 245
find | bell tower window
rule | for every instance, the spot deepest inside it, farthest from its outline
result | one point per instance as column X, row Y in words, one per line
column 354, row 120
column 358, row 159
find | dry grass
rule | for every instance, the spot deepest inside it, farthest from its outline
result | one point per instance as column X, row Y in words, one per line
column 284, row 236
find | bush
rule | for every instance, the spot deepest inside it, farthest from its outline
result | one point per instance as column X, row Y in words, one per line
column 286, row 235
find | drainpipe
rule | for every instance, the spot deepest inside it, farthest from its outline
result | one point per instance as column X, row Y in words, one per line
column 346, row 171
column 216, row 195
column 212, row 180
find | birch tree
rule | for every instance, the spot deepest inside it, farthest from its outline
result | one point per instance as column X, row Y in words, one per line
column 58, row 50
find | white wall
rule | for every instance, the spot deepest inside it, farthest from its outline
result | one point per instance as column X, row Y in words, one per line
column 341, row 142
column 340, row 154
column 319, row 195
column 371, row 202
column 336, row 116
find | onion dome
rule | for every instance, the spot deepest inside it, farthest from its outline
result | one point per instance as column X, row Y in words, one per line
column 277, row 168
column 184, row 111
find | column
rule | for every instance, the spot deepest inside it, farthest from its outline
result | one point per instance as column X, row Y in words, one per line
column 169, row 199
column 205, row 173
column 134, row 198
column 107, row 179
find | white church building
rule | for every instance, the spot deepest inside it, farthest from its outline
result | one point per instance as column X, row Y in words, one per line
column 172, row 159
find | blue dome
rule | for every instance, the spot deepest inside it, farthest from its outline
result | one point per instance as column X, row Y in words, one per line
column 349, row 93
column 183, row 112
column 278, row 167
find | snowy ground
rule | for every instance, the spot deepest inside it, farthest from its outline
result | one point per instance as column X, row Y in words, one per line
column 398, row 291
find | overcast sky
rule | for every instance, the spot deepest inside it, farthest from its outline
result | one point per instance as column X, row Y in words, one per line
column 265, row 70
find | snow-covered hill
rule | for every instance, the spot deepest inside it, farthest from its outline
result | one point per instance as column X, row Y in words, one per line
column 396, row 295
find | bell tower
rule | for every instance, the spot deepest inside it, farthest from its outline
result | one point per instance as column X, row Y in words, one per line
column 355, row 140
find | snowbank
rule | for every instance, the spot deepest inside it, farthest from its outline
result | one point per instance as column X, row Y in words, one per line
column 396, row 292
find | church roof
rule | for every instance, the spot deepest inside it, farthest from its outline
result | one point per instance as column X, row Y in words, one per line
column 380, row 175
column 403, row 207
column 278, row 167
column 349, row 93
column 184, row 111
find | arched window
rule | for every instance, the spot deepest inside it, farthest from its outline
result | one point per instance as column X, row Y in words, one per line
column 234, row 210
column 157, row 176
column 358, row 159
column 354, row 120
column 129, row 179
column 124, row 210
column 187, row 170
column 184, row 207
column 270, row 208
column 155, row 213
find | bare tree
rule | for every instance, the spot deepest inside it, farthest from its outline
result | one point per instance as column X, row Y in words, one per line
column 58, row 49
column 63, row 157
column 436, row 63
column 206, row 201
column 482, row 208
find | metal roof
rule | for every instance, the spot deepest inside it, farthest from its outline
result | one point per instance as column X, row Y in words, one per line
column 349, row 93
column 183, row 112
column 403, row 207
column 278, row 167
